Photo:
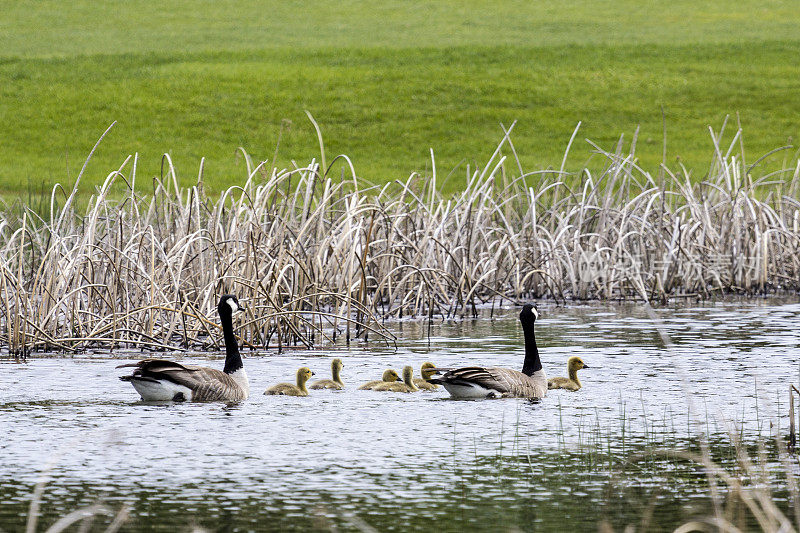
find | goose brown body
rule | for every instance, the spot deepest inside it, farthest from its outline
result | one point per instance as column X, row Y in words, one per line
column 499, row 382
column 206, row 384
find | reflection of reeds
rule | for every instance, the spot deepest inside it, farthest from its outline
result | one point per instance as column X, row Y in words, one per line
column 320, row 257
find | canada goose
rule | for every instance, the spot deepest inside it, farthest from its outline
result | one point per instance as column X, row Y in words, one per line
column 427, row 370
column 572, row 383
column 494, row 382
column 162, row 380
column 336, row 382
column 287, row 389
column 389, row 376
column 406, row 386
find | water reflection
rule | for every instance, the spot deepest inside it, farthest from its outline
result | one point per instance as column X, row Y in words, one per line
column 408, row 461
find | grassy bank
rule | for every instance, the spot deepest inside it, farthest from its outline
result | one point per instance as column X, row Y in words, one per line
column 385, row 84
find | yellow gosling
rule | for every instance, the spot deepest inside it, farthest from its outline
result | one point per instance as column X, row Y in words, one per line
column 427, row 372
column 572, row 383
column 336, row 373
column 287, row 389
column 388, row 377
column 406, row 386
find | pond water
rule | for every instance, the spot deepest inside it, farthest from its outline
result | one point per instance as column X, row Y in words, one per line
column 356, row 460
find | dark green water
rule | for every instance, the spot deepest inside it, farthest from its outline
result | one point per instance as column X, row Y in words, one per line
column 353, row 460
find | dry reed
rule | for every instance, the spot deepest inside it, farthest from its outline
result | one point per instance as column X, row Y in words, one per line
column 318, row 254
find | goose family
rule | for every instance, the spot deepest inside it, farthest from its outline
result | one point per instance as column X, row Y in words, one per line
column 407, row 384
column 287, row 389
column 572, row 382
column 389, row 376
column 427, row 370
column 335, row 382
column 163, row 380
column 497, row 382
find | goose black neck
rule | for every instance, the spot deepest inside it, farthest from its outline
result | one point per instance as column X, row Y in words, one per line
column 532, row 362
column 233, row 361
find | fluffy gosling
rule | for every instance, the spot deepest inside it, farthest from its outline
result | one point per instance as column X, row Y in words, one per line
column 406, row 386
column 336, row 373
column 389, row 376
column 287, row 389
column 427, row 372
column 572, row 383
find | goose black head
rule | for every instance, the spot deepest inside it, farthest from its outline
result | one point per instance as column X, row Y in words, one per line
column 529, row 313
column 229, row 304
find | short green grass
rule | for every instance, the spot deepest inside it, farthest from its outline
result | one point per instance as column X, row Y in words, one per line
column 386, row 83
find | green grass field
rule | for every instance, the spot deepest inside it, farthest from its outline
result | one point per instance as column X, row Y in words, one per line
column 385, row 84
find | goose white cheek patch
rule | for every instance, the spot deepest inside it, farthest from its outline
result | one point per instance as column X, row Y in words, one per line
column 535, row 313
column 232, row 304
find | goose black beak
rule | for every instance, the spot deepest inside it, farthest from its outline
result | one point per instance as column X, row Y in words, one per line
column 585, row 366
column 313, row 374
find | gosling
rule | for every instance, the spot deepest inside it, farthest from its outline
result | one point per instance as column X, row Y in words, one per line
column 287, row 389
column 389, row 376
column 572, row 383
column 336, row 373
column 427, row 371
column 406, row 386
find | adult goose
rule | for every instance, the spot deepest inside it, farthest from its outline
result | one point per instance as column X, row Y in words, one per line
column 335, row 382
column 162, row 380
column 496, row 382
column 572, row 383
column 389, row 376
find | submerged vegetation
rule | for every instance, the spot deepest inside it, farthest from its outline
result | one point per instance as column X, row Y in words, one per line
column 658, row 479
column 322, row 255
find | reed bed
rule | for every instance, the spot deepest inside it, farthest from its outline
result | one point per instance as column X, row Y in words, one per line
column 320, row 256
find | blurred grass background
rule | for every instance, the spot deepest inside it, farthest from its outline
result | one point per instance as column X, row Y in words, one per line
column 385, row 83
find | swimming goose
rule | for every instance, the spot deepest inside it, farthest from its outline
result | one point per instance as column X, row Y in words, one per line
column 406, row 386
column 495, row 382
column 335, row 383
column 287, row 389
column 389, row 376
column 427, row 370
column 572, row 383
column 162, row 380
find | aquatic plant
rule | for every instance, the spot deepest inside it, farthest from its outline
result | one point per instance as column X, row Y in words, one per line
column 322, row 255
